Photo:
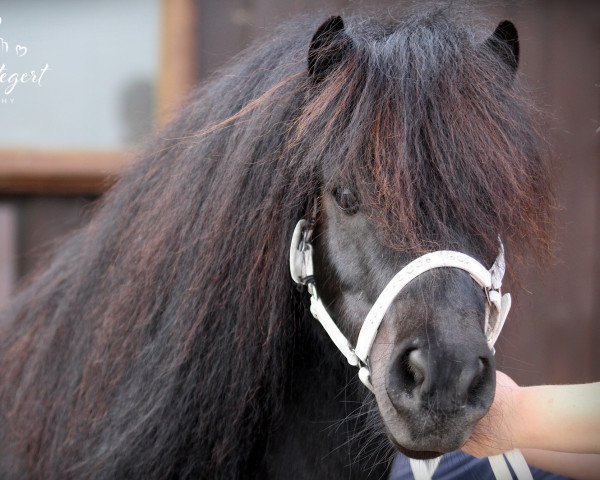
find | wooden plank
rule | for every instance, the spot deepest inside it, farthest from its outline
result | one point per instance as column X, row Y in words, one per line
column 178, row 71
column 71, row 172
column 224, row 29
column 568, row 312
column 522, row 348
column 8, row 251
column 553, row 332
column 43, row 222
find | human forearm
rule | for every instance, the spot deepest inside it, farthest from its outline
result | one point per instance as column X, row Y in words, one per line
column 560, row 418
column 579, row 466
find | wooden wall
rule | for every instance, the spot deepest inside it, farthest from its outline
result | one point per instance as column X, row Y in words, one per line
column 553, row 333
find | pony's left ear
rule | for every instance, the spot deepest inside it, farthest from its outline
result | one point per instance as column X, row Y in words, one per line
column 505, row 43
column 327, row 47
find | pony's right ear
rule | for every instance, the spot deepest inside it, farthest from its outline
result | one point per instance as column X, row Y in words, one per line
column 505, row 43
column 327, row 47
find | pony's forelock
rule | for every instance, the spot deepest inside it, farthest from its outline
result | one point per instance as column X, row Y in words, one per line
column 434, row 131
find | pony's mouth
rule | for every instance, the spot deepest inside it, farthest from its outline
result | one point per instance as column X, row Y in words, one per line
column 416, row 454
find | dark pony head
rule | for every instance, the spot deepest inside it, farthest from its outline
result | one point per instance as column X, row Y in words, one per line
column 162, row 339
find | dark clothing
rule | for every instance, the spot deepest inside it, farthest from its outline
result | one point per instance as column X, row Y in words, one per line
column 459, row 466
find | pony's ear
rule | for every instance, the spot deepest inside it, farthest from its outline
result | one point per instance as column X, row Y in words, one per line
column 505, row 43
column 327, row 47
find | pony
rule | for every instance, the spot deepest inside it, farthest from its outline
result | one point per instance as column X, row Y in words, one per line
column 166, row 339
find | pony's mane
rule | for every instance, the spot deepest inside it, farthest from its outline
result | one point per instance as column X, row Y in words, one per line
column 158, row 337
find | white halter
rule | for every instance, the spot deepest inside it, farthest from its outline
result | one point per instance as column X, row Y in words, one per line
column 301, row 268
column 496, row 311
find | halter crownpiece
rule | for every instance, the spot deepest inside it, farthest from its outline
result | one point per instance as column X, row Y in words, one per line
column 301, row 269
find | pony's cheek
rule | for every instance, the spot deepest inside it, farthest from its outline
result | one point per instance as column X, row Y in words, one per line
column 354, row 310
column 380, row 357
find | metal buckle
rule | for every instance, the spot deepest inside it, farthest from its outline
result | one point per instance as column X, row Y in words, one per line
column 301, row 265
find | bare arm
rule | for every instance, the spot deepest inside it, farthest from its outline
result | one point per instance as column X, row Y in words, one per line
column 543, row 421
column 563, row 418
column 580, row 466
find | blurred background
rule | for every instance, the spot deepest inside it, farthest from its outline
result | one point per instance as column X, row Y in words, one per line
column 117, row 70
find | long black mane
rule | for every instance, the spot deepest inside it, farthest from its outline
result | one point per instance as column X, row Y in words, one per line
column 158, row 341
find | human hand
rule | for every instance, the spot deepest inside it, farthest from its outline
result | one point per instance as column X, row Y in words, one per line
column 494, row 433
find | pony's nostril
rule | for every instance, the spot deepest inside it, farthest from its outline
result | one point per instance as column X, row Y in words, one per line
column 481, row 365
column 478, row 381
column 417, row 366
column 410, row 371
column 405, row 376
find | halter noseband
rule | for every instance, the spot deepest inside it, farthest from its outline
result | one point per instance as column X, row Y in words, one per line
column 301, row 269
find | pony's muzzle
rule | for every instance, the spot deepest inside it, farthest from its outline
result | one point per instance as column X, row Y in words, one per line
column 435, row 387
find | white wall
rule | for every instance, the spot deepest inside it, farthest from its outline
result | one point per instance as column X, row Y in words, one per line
column 99, row 91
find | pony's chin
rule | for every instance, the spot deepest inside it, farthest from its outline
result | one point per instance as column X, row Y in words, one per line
column 416, row 454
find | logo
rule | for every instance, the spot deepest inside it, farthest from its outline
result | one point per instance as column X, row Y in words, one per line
column 13, row 78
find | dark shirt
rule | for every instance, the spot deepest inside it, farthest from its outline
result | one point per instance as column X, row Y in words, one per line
column 459, row 466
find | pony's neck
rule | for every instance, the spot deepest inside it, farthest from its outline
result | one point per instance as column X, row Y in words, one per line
column 315, row 439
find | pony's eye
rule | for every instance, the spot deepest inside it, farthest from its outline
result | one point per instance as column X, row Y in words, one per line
column 346, row 199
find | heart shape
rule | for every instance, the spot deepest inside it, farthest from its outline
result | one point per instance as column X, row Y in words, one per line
column 21, row 50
